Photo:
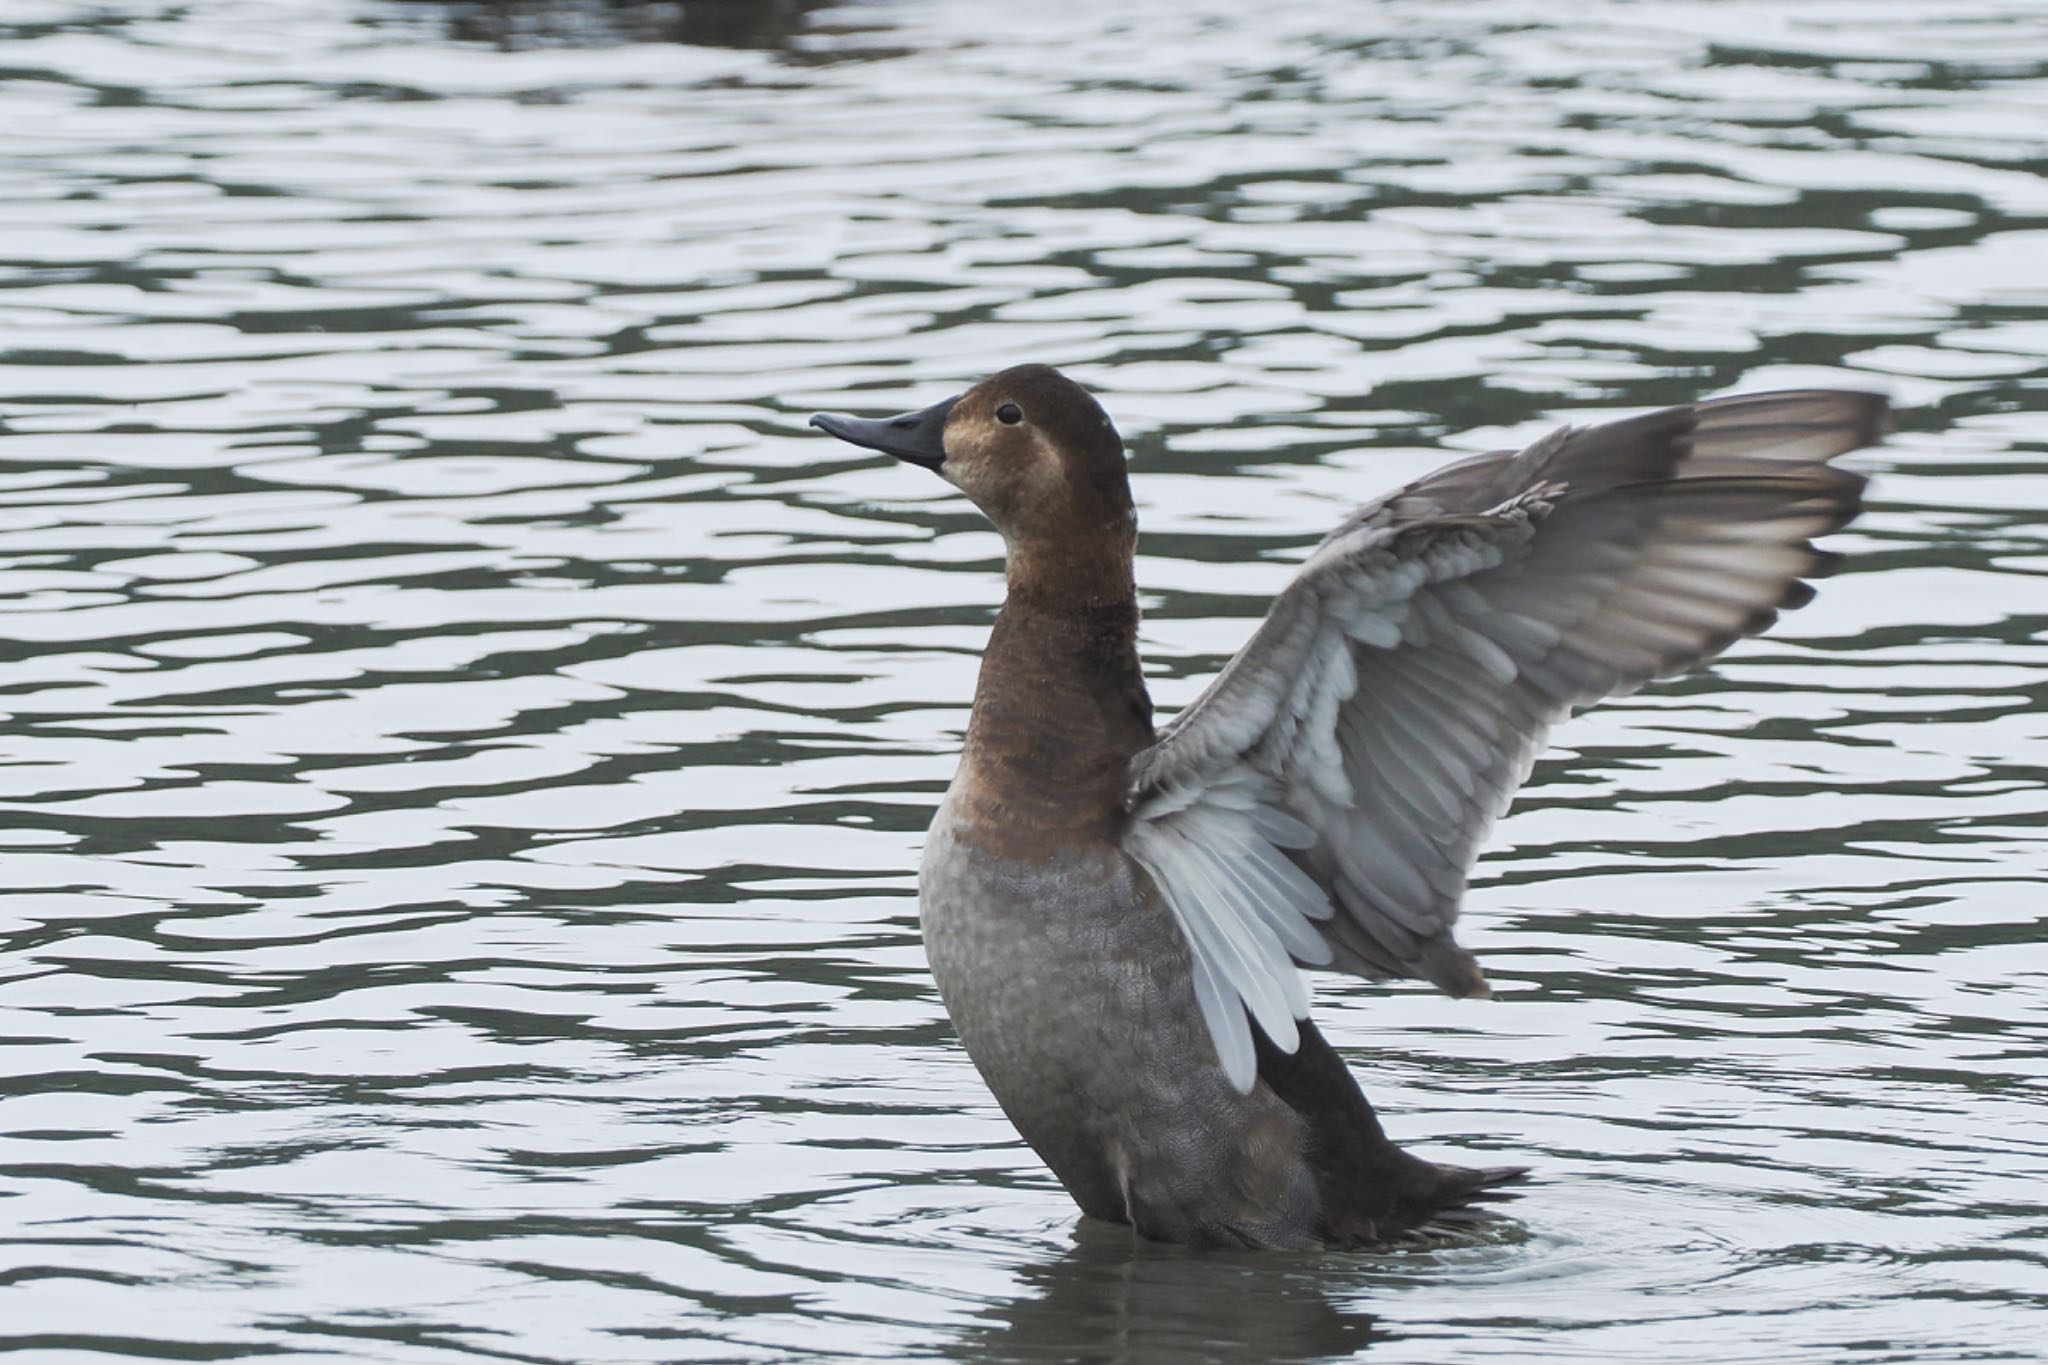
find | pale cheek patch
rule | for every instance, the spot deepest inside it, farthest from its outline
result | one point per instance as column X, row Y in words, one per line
column 1047, row 471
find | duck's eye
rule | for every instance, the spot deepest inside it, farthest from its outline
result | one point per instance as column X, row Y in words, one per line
column 1009, row 414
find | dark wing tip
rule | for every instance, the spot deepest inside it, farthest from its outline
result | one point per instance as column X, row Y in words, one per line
column 1797, row 426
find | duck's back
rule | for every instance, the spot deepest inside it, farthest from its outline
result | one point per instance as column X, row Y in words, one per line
column 1367, row 1188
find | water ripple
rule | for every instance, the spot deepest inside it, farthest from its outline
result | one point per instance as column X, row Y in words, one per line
column 469, row 743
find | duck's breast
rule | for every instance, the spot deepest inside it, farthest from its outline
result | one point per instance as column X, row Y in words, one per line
column 1072, row 989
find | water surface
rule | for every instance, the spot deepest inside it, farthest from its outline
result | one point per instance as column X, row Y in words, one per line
column 468, row 742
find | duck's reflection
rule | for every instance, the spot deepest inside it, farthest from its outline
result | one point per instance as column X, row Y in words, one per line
column 1113, row 1299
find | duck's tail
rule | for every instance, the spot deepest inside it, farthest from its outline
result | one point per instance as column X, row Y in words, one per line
column 1465, row 1194
column 1463, row 1185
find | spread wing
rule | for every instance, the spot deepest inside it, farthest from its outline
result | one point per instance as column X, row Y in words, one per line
column 1322, row 802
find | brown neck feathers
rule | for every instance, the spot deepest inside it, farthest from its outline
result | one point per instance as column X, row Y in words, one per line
column 1061, row 705
column 1076, row 573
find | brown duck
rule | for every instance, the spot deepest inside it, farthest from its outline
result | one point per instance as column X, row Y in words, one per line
column 1117, row 915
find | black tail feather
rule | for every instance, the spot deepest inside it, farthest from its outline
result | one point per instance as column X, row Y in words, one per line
column 1463, row 1186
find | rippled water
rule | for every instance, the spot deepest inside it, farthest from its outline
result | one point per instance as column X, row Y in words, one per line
column 469, row 742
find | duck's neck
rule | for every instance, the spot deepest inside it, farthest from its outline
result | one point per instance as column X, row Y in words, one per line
column 1061, row 705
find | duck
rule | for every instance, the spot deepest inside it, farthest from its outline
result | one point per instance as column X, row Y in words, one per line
column 1119, row 915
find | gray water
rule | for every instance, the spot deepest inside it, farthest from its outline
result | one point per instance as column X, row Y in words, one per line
column 469, row 742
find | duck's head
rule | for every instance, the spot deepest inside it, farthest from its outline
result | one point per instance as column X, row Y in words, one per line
column 1031, row 447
